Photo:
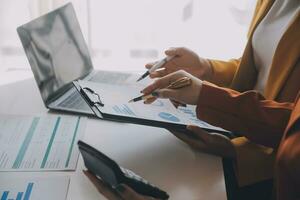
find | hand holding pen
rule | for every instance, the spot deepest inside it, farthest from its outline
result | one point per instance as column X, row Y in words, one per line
column 161, row 88
column 183, row 59
column 156, row 66
column 180, row 83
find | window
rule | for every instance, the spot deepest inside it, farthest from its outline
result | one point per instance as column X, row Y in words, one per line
column 14, row 13
column 125, row 34
column 10, row 17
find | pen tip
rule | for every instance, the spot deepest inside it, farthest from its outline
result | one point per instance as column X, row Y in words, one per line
column 144, row 76
column 130, row 101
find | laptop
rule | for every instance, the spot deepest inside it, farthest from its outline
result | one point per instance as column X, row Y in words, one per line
column 58, row 55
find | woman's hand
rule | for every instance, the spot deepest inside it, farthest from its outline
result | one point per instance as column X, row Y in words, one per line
column 186, row 60
column 121, row 192
column 212, row 143
column 185, row 95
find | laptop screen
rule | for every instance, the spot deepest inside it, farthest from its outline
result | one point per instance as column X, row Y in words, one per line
column 56, row 51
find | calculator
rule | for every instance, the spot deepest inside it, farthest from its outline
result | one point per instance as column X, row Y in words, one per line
column 112, row 174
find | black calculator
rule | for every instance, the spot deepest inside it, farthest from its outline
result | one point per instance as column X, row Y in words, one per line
column 113, row 174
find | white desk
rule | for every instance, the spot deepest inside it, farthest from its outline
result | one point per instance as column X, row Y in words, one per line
column 153, row 153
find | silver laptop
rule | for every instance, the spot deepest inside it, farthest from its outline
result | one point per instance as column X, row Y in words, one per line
column 58, row 54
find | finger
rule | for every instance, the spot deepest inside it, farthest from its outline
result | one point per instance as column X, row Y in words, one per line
column 171, row 66
column 127, row 193
column 163, row 82
column 175, row 103
column 149, row 65
column 158, row 73
column 207, row 137
column 200, row 133
column 101, row 186
column 189, row 140
column 178, row 51
column 92, row 178
column 167, row 94
column 198, row 144
column 150, row 100
column 159, row 83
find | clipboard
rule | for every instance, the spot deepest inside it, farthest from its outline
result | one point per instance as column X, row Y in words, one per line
column 97, row 104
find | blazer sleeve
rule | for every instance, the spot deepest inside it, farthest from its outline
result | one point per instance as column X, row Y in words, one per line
column 260, row 121
column 223, row 71
column 249, row 114
column 288, row 158
column 288, row 165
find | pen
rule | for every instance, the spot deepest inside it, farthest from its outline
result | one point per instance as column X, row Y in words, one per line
column 156, row 66
column 179, row 83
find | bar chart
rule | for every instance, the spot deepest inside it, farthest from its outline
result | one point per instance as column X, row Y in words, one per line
column 123, row 110
column 190, row 113
column 20, row 195
column 33, row 188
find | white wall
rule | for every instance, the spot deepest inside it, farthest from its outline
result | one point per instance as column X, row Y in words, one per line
column 125, row 34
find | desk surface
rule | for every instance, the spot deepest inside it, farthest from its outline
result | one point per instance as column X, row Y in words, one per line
column 153, row 153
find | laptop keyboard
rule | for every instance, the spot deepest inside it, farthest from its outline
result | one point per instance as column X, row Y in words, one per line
column 74, row 101
column 110, row 77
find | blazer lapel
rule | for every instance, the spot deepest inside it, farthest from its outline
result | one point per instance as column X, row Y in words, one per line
column 246, row 75
column 286, row 55
column 261, row 13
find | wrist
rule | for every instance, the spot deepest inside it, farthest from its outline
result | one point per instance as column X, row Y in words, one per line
column 198, row 91
column 208, row 70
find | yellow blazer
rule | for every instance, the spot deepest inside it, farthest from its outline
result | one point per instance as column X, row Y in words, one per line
column 255, row 162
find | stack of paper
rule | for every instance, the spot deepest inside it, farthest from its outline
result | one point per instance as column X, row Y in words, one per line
column 39, row 143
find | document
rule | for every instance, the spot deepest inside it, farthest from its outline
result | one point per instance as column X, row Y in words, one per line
column 49, row 188
column 115, row 99
column 36, row 143
column 190, row 112
column 115, row 103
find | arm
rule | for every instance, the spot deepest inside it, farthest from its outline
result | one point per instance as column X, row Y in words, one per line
column 260, row 121
column 288, row 159
column 249, row 114
column 222, row 72
column 287, row 167
column 218, row 72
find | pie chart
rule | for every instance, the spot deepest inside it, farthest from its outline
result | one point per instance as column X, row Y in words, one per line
column 168, row 117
